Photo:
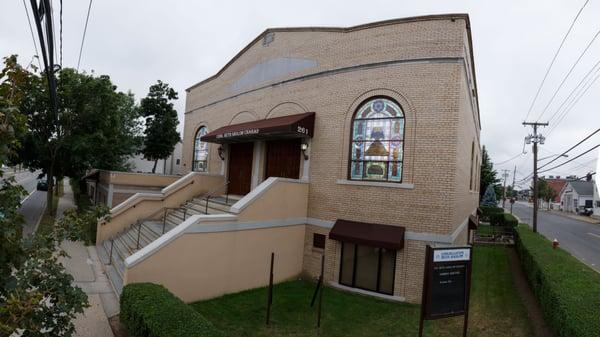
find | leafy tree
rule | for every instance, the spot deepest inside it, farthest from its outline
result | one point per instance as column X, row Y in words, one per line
column 37, row 297
column 161, row 134
column 98, row 127
column 545, row 192
column 488, row 174
column 12, row 122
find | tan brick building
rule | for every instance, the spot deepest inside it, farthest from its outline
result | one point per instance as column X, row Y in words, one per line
column 379, row 122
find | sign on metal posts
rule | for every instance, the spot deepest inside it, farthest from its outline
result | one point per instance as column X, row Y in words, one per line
column 446, row 284
column 270, row 293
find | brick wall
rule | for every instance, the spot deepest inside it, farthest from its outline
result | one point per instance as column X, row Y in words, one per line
column 425, row 66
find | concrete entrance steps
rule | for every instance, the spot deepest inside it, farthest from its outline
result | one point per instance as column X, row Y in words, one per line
column 126, row 244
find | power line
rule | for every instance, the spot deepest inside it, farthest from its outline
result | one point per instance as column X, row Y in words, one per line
column 568, row 74
column 512, row 158
column 573, row 103
column 53, row 29
column 84, row 32
column 554, row 59
column 571, row 148
column 61, row 33
column 32, row 35
column 570, row 160
column 581, row 82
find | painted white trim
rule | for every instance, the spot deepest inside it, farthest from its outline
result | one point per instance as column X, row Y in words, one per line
column 257, row 158
column 259, row 191
column 195, row 224
column 171, row 235
column 367, row 292
column 109, row 198
column 438, row 238
column 375, row 184
column 103, row 187
column 413, row 236
column 168, row 190
column 241, row 226
column 133, row 191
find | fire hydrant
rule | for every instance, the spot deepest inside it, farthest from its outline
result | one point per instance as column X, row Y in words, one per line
column 555, row 243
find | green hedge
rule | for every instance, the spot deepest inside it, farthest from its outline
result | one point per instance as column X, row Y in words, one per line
column 503, row 219
column 488, row 211
column 568, row 290
column 150, row 310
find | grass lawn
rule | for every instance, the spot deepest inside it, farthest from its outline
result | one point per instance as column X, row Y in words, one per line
column 496, row 309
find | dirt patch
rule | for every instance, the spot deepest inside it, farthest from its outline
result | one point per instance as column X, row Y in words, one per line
column 117, row 328
column 540, row 327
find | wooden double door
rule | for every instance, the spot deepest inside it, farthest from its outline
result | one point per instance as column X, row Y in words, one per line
column 240, row 167
column 282, row 160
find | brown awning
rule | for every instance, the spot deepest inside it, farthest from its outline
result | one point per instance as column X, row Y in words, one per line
column 293, row 126
column 473, row 222
column 369, row 234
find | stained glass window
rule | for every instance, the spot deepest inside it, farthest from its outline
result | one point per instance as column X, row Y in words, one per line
column 200, row 151
column 377, row 141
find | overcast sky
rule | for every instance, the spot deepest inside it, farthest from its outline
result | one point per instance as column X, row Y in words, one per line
column 183, row 42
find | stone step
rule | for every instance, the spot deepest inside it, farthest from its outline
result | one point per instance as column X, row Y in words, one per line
column 114, row 276
column 116, row 261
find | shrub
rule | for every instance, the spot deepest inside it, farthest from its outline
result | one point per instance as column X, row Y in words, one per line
column 568, row 290
column 487, row 211
column 150, row 310
column 510, row 220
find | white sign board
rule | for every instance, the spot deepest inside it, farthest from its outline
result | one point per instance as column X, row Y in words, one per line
column 449, row 255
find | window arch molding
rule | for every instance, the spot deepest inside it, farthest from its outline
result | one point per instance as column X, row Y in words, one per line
column 376, row 140
column 200, row 151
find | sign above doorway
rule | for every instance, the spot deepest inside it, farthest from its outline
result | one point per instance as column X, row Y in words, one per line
column 293, row 126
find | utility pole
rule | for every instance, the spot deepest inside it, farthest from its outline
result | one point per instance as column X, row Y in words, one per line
column 42, row 14
column 513, row 188
column 535, row 139
column 505, row 175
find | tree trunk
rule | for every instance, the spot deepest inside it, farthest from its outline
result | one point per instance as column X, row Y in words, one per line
column 154, row 167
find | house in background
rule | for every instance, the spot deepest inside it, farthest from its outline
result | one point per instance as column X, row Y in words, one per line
column 556, row 184
column 596, row 213
column 169, row 166
column 111, row 188
column 577, row 195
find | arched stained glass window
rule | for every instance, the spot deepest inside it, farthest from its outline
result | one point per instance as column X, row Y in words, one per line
column 200, row 151
column 377, row 141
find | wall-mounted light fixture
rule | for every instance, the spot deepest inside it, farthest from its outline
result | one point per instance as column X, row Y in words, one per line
column 221, row 152
column 304, row 147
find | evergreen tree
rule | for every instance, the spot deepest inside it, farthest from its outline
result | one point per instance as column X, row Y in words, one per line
column 489, row 197
column 161, row 134
column 488, row 174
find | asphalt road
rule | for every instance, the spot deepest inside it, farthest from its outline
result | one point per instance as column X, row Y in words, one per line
column 579, row 238
column 34, row 204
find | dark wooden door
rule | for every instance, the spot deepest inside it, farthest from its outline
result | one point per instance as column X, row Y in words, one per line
column 240, row 168
column 283, row 158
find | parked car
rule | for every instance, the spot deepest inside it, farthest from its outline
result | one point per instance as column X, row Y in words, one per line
column 42, row 185
column 587, row 211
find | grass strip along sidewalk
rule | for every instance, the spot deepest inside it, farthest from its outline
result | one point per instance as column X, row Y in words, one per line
column 496, row 309
column 568, row 291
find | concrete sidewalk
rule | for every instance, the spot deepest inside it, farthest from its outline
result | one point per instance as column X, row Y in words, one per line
column 85, row 267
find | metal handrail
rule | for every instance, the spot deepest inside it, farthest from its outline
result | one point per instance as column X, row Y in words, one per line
column 211, row 193
column 165, row 211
